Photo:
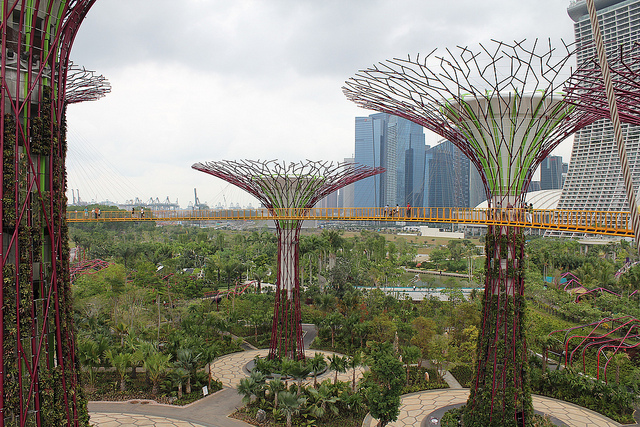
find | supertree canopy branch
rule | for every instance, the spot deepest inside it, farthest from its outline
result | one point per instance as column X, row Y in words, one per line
column 501, row 106
column 290, row 190
column 585, row 89
column 84, row 85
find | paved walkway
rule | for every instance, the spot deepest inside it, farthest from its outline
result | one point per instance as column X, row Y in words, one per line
column 416, row 406
column 229, row 369
column 213, row 410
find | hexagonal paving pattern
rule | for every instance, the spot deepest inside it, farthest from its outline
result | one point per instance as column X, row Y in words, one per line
column 123, row 420
column 414, row 407
column 229, row 369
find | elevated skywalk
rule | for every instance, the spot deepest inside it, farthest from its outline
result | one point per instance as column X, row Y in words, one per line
column 612, row 223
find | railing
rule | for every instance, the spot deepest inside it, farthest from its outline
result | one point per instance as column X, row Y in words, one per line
column 594, row 222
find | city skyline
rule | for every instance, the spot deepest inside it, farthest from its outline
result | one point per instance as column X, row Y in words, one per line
column 251, row 80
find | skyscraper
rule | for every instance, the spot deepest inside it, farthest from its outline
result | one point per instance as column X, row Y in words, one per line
column 398, row 146
column 450, row 179
column 551, row 173
column 594, row 178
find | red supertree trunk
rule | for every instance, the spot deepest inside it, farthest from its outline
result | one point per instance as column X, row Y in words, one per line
column 286, row 337
column 501, row 385
column 38, row 369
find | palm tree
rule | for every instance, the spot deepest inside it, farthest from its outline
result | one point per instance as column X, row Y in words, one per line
column 121, row 329
column 285, row 369
column 322, row 399
column 275, row 386
column 545, row 342
column 410, row 355
column 246, row 386
column 121, row 362
column 299, row 371
column 353, row 362
column 333, row 321
column 156, row 365
column 259, row 380
column 317, row 364
column 290, row 404
column 619, row 359
column 177, row 377
column 89, row 356
column 188, row 360
column 337, row 364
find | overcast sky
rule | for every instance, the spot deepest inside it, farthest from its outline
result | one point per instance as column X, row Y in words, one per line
column 200, row 80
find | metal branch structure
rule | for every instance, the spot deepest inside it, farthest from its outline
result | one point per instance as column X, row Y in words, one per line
column 585, row 89
column 501, row 106
column 84, row 85
column 291, row 189
column 603, row 339
column 39, row 372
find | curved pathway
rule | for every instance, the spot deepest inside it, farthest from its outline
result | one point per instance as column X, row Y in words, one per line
column 213, row 410
column 416, row 406
column 229, row 369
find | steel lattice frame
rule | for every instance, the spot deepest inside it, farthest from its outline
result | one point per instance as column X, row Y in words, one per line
column 290, row 189
column 500, row 106
column 585, row 89
column 38, row 369
column 622, row 335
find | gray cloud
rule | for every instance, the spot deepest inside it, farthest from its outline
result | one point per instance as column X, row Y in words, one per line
column 207, row 79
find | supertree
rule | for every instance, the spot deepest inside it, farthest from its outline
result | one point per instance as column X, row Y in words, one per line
column 288, row 191
column 38, row 368
column 500, row 106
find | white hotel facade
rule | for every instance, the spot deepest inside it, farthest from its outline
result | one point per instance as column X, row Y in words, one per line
column 594, row 179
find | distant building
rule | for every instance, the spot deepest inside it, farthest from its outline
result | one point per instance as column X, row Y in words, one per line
column 398, row 145
column 551, row 173
column 450, row 179
column 594, row 179
column 345, row 194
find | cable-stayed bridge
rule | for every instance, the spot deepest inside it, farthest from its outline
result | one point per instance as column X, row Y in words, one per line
column 612, row 223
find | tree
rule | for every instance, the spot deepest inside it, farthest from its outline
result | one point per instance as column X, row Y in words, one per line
column 410, row 355
column 426, row 329
column 275, row 386
column 156, row 365
column 290, row 404
column 246, row 386
column 337, row 364
column 121, row 363
column 299, row 371
column 545, row 342
column 619, row 359
column 188, row 360
column 354, row 362
column 383, row 383
column 89, row 355
column 321, row 399
column 317, row 364
column 439, row 350
column 333, row 321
